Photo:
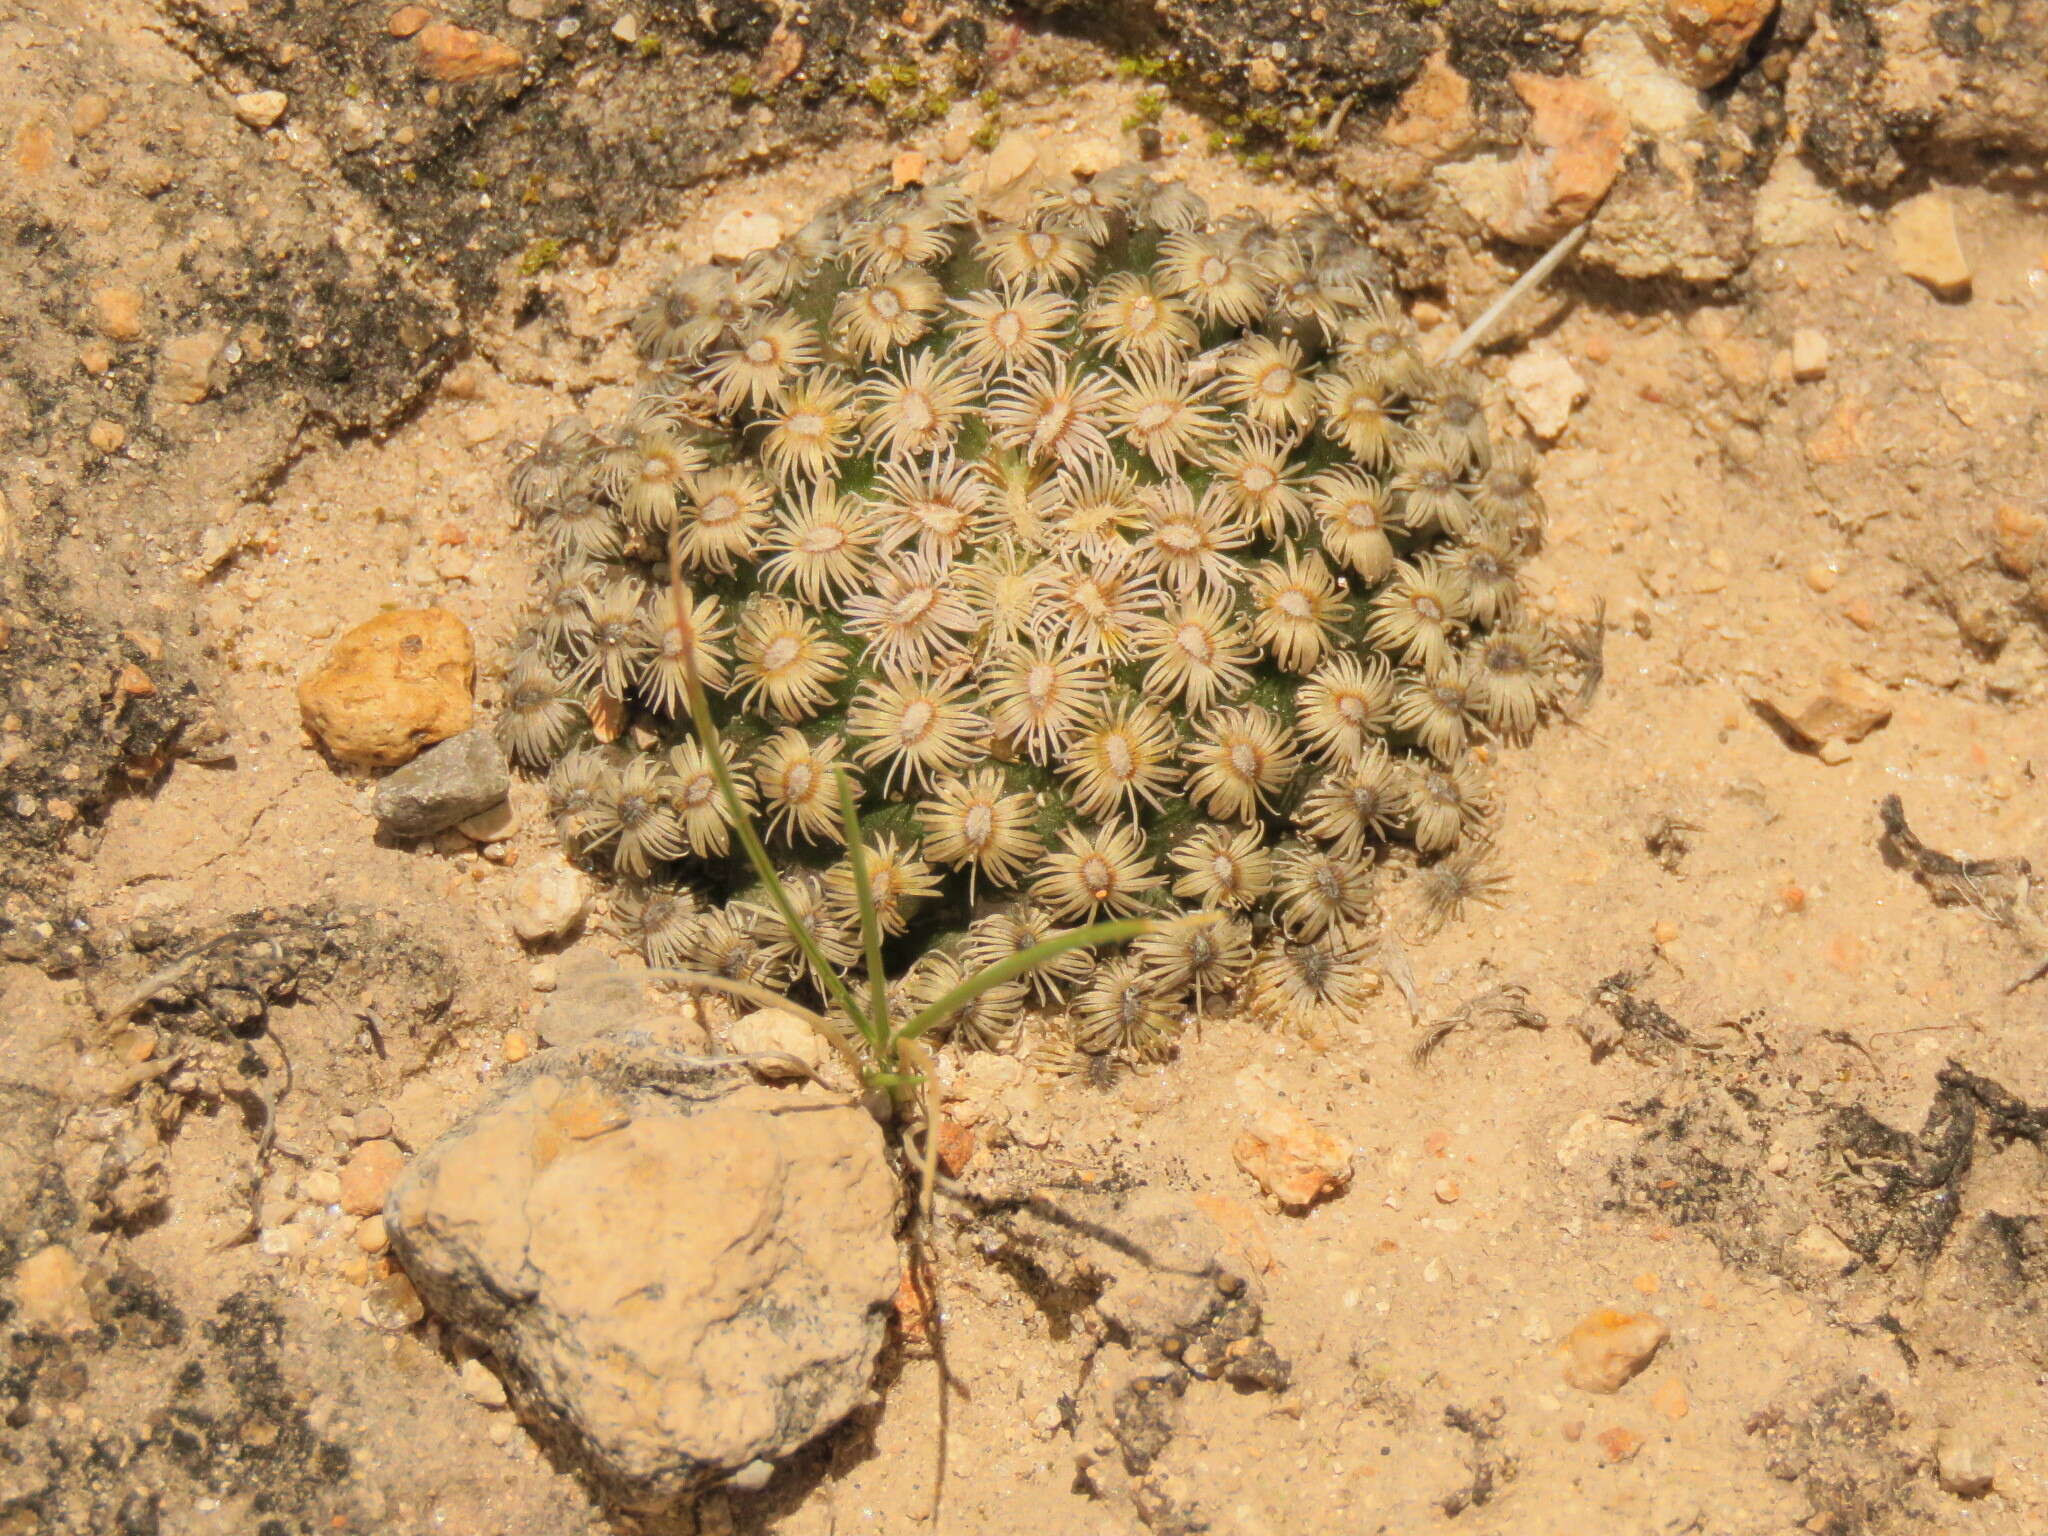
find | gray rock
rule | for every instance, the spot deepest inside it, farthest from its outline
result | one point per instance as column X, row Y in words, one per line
column 677, row 1276
column 462, row 777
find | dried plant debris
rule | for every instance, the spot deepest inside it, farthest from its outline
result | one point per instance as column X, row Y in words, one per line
column 1668, row 840
column 1496, row 1010
column 1491, row 1464
column 224, row 979
column 1133, row 560
column 1843, row 1445
column 2001, row 890
column 1629, row 1021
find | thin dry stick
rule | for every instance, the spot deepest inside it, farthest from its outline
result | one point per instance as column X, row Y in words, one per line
column 1546, row 264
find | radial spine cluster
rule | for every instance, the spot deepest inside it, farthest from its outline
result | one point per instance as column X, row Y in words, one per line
column 1133, row 561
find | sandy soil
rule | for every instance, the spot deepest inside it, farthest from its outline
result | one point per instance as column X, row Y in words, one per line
column 1745, row 533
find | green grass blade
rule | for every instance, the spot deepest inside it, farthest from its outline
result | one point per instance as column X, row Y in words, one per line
column 743, row 825
column 1018, row 964
column 870, row 920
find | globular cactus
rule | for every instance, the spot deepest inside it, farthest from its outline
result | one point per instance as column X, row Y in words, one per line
column 1132, row 561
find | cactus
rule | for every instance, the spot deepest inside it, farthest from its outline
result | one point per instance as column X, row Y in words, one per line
column 1134, row 562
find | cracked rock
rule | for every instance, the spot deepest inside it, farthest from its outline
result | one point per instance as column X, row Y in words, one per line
column 679, row 1272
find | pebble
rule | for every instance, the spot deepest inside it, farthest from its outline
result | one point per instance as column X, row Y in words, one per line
column 1010, row 161
column 89, row 113
column 543, row 977
column 1291, row 1159
column 185, row 367
column 49, row 1293
column 105, row 435
column 1926, row 246
column 481, row 1383
column 1963, row 1465
column 1845, row 709
column 1618, row 1445
column 391, row 687
column 320, row 1187
column 627, row 28
column 1434, row 115
column 742, row 232
column 774, row 1033
column 1706, row 40
column 372, row 1124
column 260, row 109
column 1605, row 1351
column 453, row 54
column 1446, row 1191
column 1821, row 577
column 957, row 1145
column 372, row 1235
column 462, row 777
column 1670, row 1399
column 1809, row 355
column 95, row 358
column 1545, row 389
column 2019, row 539
column 392, row 1304
column 367, row 1176
column 407, row 20
column 517, row 1046
column 117, row 311
column 548, row 904
column 490, row 826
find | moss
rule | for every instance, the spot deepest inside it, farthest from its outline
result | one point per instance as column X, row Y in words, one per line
column 541, row 256
column 741, row 88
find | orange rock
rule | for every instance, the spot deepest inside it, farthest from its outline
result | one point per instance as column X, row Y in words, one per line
column 1295, row 1162
column 118, row 313
column 455, row 54
column 1608, row 1348
column 33, row 147
column 49, row 1293
column 1434, row 115
column 2020, row 538
column 367, row 1176
column 407, row 20
column 1670, row 1400
column 1704, row 40
column 390, row 687
column 956, row 1148
column 1618, row 1444
column 1569, row 160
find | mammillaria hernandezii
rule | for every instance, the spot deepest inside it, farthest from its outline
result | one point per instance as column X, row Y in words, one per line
column 1131, row 560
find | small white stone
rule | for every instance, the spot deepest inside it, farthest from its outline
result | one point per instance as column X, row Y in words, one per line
column 743, row 232
column 548, row 904
column 481, row 1383
column 627, row 28
column 1010, row 161
column 773, row 1036
column 1809, row 355
column 261, row 109
column 1545, row 389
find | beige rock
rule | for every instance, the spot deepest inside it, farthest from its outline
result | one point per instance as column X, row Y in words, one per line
column 1545, row 389
column 49, row 1293
column 1013, row 158
column 367, row 1176
column 1567, row 162
column 742, row 232
column 1792, row 206
column 1809, row 355
column 455, row 54
column 1434, row 115
column 786, row 1045
column 185, row 367
column 549, row 904
column 491, row 826
column 1264, row 76
column 89, row 113
column 407, row 20
column 1705, row 40
column 392, row 1304
column 117, row 311
column 373, row 1234
column 2019, row 539
column 1608, row 1348
column 260, row 109
column 1963, row 1464
column 1293, row 1160
column 678, row 1276
column 390, row 687
column 481, row 1383
column 107, row 436
column 1926, row 246
column 1616, row 58
column 1846, row 709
